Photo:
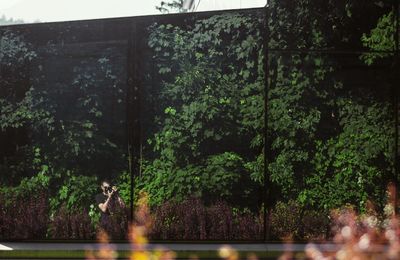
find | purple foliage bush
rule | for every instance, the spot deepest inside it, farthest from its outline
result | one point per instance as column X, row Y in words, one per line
column 24, row 216
column 249, row 227
column 67, row 224
column 119, row 223
column 220, row 221
column 184, row 220
column 192, row 220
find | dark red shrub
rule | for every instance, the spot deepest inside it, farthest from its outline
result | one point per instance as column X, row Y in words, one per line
column 248, row 227
column 67, row 224
column 192, row 220
column 179, row 221
column 220, row 222
column 24, row 216
column 76, row 224
column 119, row 223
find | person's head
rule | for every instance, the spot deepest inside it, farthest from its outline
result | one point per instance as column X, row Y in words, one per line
column 105, row 185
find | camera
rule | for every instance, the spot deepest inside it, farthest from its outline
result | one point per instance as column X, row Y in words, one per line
column 109, row 189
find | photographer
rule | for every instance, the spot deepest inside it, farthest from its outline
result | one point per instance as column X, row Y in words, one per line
column 108, row 202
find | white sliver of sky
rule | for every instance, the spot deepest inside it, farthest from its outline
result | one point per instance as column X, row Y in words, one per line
column 68, row 10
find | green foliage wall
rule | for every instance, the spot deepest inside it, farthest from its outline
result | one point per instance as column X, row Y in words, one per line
column 59, row 137
column 332, row 133
column 208, row 129
column 330, row 138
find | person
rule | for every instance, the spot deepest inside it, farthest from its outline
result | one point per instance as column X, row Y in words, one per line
column 108, row 201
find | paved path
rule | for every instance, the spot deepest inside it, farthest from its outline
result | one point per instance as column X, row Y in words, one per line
column 127, row 246
column 256, row 247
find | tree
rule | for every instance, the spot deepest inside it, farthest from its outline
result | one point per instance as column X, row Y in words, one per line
column 7, row 21
column 168, row 6
column 381, row 39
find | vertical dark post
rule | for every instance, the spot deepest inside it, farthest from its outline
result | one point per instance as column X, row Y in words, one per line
column 266, row 176
column 396, row 97
column 133, row 108
column 397, row 31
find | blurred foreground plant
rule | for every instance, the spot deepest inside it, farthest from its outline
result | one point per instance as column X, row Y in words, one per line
column 137, row 236
column 359, row 236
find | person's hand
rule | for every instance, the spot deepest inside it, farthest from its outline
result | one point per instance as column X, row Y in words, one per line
column 110, row 193
column 114, row 188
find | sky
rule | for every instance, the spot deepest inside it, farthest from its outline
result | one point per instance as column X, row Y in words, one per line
column 67, row 10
